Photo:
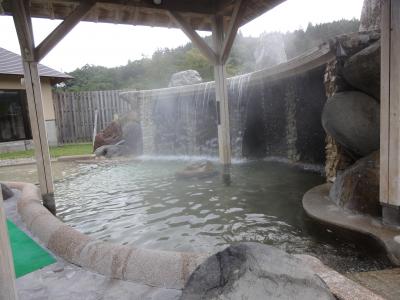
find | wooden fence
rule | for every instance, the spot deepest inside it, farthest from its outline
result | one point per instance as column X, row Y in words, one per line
column 76, row 113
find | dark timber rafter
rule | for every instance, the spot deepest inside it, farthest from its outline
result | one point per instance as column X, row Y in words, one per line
column 194, row 36
column 222, row 55
column 61, row 31
column 238, row 12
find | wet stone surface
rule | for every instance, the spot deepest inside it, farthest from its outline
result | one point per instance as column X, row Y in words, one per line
column 64, row 281
column 254, row 271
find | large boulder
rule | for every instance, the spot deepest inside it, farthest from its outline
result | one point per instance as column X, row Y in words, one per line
column 371, row 15
column 357, row 188
column 185, row 78
column 362, row 70
column 111, row 135
column 352, row 119
column 254, row 271
column 6, row 191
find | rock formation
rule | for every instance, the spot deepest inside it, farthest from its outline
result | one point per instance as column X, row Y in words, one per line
column 345, row 73
column 357, row 188
column 362, row 70
column 185, row 78
column 121, row 137
column 352, row 119
column 254, row 271
column 111, row 135
column 6, row 192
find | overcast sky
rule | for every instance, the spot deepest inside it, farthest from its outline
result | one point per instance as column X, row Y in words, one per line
column 113, row 45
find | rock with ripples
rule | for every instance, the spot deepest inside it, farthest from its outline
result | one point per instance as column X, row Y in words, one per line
column 202, row 169
column 254, row 271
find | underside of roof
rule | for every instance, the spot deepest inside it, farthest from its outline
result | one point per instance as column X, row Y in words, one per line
column 145, row 12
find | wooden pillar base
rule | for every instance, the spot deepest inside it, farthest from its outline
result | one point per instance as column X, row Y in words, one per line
column 49, row 203
column 390, row 111
column 226, row 175
column 390, row 215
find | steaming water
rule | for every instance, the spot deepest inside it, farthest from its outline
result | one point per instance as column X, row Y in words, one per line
column 143, row 204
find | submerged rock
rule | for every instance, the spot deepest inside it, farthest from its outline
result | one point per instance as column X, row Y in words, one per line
column 185, row 78
column 352, row 119
column 110, row 151
column 197, row 170
column 6, row 191
column 357, row 188
column 362, row 70
column 254, row 271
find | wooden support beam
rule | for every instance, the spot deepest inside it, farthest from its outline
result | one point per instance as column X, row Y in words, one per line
column 35, row 103
column 390, row 112
column 7, row 273
column 238, row 12
column 62, row 30
column 194, row 37
column 221, row 93
column 22, row 20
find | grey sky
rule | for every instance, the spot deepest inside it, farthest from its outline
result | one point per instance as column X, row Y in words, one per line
column 113, row 45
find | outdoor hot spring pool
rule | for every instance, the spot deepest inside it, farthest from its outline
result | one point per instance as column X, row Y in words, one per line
column 142, row 204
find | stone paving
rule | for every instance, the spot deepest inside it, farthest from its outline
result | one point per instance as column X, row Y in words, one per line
column 384, row 282
column 63, row 280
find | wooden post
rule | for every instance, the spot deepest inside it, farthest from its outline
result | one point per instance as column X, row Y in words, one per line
column 31, row 56
column 221, row 94
column 94, row 127
column 23, row 27
column 390, row 112
column 218, row 57
column 7, row 274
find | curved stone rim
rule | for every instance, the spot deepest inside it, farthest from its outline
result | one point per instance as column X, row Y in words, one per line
column 319, row 207
column 166, row 269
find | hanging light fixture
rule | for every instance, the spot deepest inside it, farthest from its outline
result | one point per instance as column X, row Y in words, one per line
column 157, row 2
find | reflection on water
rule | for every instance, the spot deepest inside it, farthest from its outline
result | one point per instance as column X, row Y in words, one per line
column 142, row 204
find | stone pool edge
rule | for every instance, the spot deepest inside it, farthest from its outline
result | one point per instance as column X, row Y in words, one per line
column 319, row 207
column 166, row 269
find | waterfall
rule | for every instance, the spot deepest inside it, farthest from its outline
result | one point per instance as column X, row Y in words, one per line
column 238, row 97
column 263, row 111
column 291, row 126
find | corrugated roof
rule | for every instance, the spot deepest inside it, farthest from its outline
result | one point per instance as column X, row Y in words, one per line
column 11, row 64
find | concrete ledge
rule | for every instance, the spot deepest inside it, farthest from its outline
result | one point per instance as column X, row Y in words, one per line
column 318, row 206
column 341, row 286
column 155, row 268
